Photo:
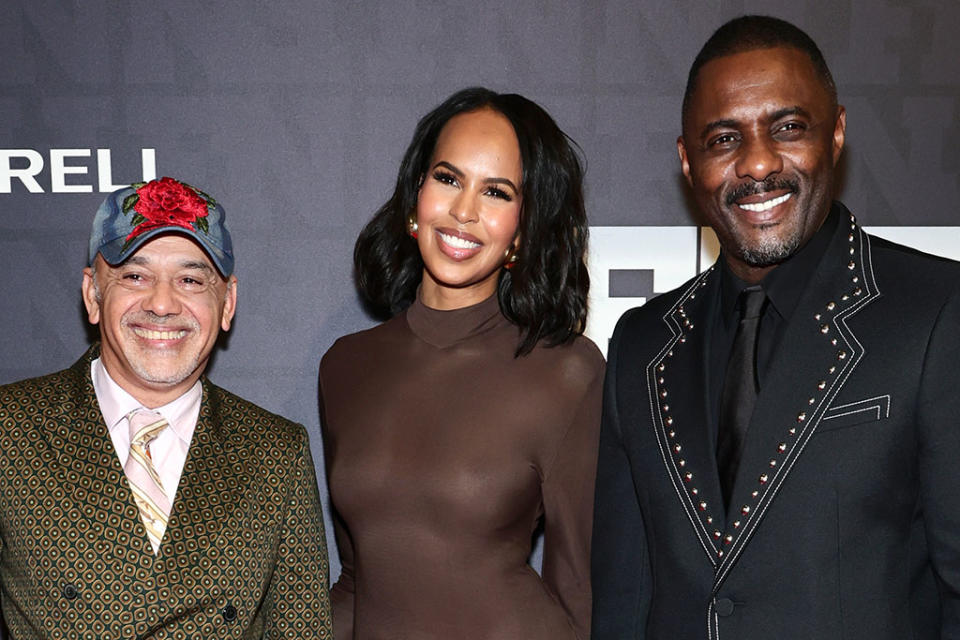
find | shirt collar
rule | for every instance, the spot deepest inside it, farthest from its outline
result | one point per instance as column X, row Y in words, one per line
column 785, row 283
column 115, row 403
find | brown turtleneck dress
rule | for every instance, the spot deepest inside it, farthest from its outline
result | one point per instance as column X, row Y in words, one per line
column 443, row 451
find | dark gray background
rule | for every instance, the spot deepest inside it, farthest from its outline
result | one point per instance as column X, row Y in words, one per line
column 295, row 115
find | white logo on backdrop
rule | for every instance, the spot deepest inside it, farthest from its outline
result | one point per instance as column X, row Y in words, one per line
column 26, row 165
column 673, row 255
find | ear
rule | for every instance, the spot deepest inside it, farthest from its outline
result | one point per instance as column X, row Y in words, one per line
column 229, row 303
column 839, row 133
column 684, row 162
column 89, row 293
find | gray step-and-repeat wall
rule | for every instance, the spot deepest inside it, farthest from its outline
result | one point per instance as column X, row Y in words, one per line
column 295, row 115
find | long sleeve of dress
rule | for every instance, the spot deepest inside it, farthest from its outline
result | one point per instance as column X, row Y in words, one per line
column 343, row 591
column 568, row 492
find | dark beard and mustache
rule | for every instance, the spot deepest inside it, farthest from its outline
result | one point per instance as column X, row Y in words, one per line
column 775, row 250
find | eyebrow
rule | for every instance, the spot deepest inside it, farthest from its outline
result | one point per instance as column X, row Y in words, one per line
column 459, row 174
column 733, row 124
column 196, row 264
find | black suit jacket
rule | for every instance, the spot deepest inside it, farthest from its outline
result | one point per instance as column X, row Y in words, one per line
column 845, row 515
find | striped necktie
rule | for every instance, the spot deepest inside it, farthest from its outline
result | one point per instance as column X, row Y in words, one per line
column 144, row 481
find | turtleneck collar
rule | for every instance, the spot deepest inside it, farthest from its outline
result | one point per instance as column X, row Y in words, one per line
column 446, row 328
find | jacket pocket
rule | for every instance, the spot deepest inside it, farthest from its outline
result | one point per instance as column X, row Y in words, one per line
column 851, row 414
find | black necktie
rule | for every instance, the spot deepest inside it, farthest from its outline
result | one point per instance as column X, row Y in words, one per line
column 739, row 389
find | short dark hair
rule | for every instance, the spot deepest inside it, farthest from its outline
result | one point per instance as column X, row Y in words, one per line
column 748, row 33
column 545, row 293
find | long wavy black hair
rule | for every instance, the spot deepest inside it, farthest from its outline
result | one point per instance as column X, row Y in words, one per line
column 545, row 293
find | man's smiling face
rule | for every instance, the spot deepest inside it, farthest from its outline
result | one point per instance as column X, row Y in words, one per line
column 760, row 144
column 159, row 314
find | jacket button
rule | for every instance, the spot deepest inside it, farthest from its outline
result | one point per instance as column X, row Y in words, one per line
column 69, row 591
column 723, row 606
column 229, row 613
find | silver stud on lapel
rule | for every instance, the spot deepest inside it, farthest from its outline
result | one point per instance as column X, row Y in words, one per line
column 831, row 306
column 855, row 279
column 852, row 265
column 703, row 506
column 754, row 494
column 663, row 393
column 792, row 431
column 782, row 447
column 672, row 433
column 773, row 463
column 682, row 462
column 831, row 369
column 857, row 291
column 824, row 328
column 833, row 342
column 801, row 416
column 677, row 448
column 661, row 367
column 844, row 297
column 745, row 509
column 669, row 420
column 816, row 317
column 694, row 491
column 727, row 539
column 717, row 534
column 688, row 476
column 763, row 478
column 666, row 408
column 841, row 355
column 736, row 524
column 812, row 401
column 709, row 519
column 822, row 385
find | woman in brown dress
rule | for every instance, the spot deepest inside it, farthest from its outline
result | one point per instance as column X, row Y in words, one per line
column 471, row 416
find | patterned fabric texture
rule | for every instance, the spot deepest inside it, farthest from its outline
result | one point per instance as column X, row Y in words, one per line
column 244, row 554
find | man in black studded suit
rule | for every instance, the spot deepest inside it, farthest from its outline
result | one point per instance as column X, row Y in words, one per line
column 780, row 451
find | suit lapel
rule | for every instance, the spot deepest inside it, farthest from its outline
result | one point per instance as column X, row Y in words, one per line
column 815, row 357
column 87, row 463
column 676, row 380
column 211, row 485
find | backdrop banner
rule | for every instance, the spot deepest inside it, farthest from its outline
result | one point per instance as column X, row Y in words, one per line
column 295, row 114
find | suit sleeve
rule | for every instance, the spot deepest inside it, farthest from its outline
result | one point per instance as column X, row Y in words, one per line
column 568, row 505
column 619, row 558
column 939, row 434
column 297, row 604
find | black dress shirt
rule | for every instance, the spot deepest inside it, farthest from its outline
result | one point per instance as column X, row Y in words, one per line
column 783, row 285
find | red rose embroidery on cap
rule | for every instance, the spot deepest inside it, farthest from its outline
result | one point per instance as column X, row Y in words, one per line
column 167, row 202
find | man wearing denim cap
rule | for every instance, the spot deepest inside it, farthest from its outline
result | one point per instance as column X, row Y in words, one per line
column 137, row 499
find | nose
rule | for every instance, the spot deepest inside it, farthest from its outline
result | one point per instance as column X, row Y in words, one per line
column 758, row 158
column 162, row 299
column 464, row 208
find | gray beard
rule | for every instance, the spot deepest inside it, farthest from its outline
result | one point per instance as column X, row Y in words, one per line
column 770, row 253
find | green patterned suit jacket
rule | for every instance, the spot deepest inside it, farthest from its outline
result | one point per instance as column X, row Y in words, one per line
column 244, row 553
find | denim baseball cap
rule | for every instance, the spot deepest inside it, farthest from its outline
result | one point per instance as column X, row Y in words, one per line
column 131, row 216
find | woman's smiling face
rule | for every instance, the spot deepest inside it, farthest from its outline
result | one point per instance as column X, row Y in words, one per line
column 468, row 209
